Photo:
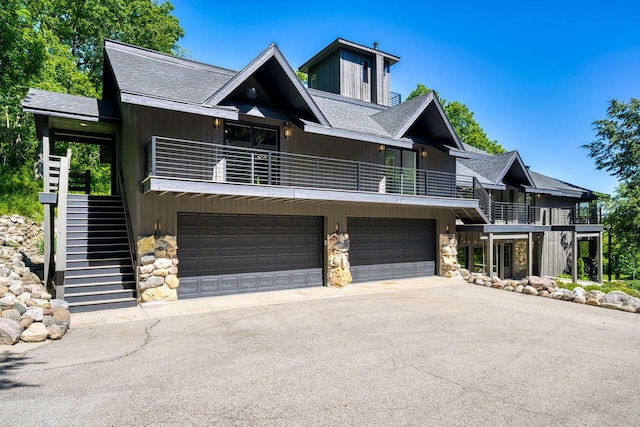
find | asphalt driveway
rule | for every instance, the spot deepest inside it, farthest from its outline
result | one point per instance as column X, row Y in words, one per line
column 408, row 352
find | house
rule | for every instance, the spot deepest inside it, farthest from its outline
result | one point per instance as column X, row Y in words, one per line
column 251, row 173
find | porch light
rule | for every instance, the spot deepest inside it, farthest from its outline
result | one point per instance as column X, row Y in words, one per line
column 216, row 123
column 381, row 148
column 447, row 228
column 337, row 226
column 288, row 131
column 423, row 153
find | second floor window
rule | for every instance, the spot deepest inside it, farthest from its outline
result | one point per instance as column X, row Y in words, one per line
column 249, row 136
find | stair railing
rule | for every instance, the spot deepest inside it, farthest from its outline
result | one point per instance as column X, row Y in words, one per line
column 127, row 218
column 61, row 242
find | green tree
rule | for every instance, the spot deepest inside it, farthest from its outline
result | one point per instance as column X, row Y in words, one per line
column 57, row 45
column 616, row 148
column 465, row 126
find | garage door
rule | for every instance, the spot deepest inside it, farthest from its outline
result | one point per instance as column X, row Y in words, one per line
column 227, row 254
column 391, row 248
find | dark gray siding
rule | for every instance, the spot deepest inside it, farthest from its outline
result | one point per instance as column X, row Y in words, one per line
column 327, row 74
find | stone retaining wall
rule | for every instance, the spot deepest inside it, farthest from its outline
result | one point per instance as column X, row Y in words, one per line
column 158, row 269
column 449, row 266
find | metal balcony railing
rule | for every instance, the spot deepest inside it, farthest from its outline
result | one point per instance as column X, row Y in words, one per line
column 206, row 162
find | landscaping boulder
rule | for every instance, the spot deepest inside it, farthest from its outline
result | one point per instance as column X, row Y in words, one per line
column 619, row 297
column 10, row 331
column 530, row 290
column 37, row 332
column 61, row 314
column 542, row 283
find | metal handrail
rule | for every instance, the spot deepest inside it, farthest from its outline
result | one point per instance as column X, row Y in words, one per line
column 207, row 162
column 127, row 218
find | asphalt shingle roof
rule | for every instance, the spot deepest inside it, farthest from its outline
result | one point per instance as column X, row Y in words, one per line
column 45, row 101
column 156, row 75
column 394, row 119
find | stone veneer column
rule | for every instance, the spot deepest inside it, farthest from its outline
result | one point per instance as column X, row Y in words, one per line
column 158, row 269
column 449, row 266
column 339, row 269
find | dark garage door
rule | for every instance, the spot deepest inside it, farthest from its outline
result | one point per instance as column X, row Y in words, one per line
column 227, row 254
column 391, row 248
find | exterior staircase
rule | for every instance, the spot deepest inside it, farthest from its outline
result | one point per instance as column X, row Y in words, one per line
column 99, row 272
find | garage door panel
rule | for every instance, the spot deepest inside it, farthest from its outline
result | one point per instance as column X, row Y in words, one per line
column 387, row 248
column 227, row 254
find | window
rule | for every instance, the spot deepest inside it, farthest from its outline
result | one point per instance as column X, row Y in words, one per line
column 249, row 164
column 365, row 71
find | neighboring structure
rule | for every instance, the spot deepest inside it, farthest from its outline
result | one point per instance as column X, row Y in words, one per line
column 252, row 172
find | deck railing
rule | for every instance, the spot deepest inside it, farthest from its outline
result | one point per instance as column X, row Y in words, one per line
column 206, row 162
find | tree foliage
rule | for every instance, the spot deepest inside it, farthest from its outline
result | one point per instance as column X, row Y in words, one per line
column 616, row 148
column 465, row 126
column 57, row 45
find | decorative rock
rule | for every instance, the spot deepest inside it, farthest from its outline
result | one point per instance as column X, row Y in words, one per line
column 147, row 259
column 59, row 303
column 16, row 288
column 579, row 291
column 530, row 290
column 47, row 320
column 556, row 294
column 21, row 308
column 36, row 332
column 30, row 303
column 611, row 305
column 146, row 244
column 173, row 270
column 160, row 252
column 46, row 296
column 151, row 282
column 10, row 331
column 544, row 293
column 12, row 313
column 162, row 263
column 26, row 322
column 509, row 288
column 54, row 332
column 580, row 299
column 542, row 283
column 497, row 285
column 596, row 295
column 5, row 303
column 488, row 284
column 618, row 297
column 519, row 289
column 172, row 281
column 464, row 273
column 567, row 295
column 593, row 301
column 3, row 290
column 479, row 281
column 42, row 303
column 161, row 293
column 146, row 269
column 162, row 272
column 36, row 295
column 35, row 313
column 627, row 308
column 63, row 326
column 61, row 314
column 174, row 261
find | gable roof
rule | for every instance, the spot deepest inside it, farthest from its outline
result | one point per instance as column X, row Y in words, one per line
column 422, row 115
column 491, row 170
column 554, row 187
column 149, row 78
column 275, row 76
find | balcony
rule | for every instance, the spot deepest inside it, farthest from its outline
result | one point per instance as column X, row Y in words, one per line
column 206, row 162
column 181, row 166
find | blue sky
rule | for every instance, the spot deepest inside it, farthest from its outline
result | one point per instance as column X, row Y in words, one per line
column 536, row 74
